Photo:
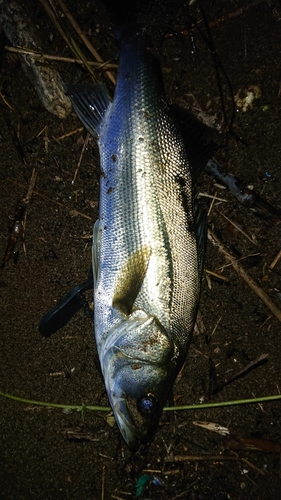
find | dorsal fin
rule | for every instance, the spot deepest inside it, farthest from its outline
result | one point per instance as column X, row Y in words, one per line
column 201, row 225
column 196, row 137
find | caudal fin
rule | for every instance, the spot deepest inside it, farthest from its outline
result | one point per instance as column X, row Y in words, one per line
column 122, row 12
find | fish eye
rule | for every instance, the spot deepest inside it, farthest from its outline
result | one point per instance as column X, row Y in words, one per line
column 147, row 404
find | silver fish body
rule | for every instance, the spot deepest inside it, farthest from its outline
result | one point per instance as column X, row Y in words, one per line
column 147, row 244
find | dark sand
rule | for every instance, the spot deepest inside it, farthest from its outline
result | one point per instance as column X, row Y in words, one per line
column 37, row 460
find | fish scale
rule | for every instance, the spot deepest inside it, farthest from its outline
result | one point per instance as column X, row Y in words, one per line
column 148, row 242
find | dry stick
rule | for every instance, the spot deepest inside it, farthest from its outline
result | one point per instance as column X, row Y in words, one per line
column 216, row 275
column 81, row 157
column 215, row 458
column 237, row 227
column 275, row 260
column 6, row 102
column 103, row 483
column 37, row 194
column 48, row 57
column 238, row 374
column 205, row 195
column 84, row 38
column 221, row 268
column 53, row 17
column 216, row 326
column 235, row 13
column 73, row 213
column 26, row 200
column 183, row 493
column 31, row 186
column 228, row 16
column 19, row 220
column 242, row 273
column 68, row 134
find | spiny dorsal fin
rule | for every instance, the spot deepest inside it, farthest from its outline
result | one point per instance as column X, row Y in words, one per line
column 201, row 225
column 196, row 137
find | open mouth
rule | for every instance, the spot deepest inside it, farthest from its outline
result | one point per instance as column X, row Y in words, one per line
column 133, row 435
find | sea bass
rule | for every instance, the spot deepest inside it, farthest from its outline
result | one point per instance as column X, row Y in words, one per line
column 148, row 242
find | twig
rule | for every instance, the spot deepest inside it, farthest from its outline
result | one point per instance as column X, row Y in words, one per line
column 75, row 213
column 211, row 207
column 51, row 13
column 205, row 195
column 81, row 157
column 47, row 57
column 239, row 374
column 37, row 194
column 216, row 275
column 228, row 16
column 201, row 329
column 72, row 213
column 213, row 458
column 23, row 232
column 242, row 273
column 233, row 14
column 19, row 217
column 84, row 38
column 103, row 483
column 252, row 444
column 265, row 321
column 183, row 493
column 31, row 186
column 15, row 139
column 152, row 471
column 221, row 268
column 213, row 427
column 69, row 134
column 237, row 227
column 216, row 326
column 275, row 260
column 6, row 102
column 41, row 131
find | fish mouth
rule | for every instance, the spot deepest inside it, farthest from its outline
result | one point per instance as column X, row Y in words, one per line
column 126, row 425
column 136, row 405
column 134, row 433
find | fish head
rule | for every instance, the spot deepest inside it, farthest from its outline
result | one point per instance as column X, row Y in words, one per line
column 136, row 362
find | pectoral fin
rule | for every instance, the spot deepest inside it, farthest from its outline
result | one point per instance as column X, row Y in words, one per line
column 65, row 309
column 130, row 279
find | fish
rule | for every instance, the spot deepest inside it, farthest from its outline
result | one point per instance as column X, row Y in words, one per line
column 148, row 242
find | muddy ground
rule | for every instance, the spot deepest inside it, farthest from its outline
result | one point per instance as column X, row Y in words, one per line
column 53, row 254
